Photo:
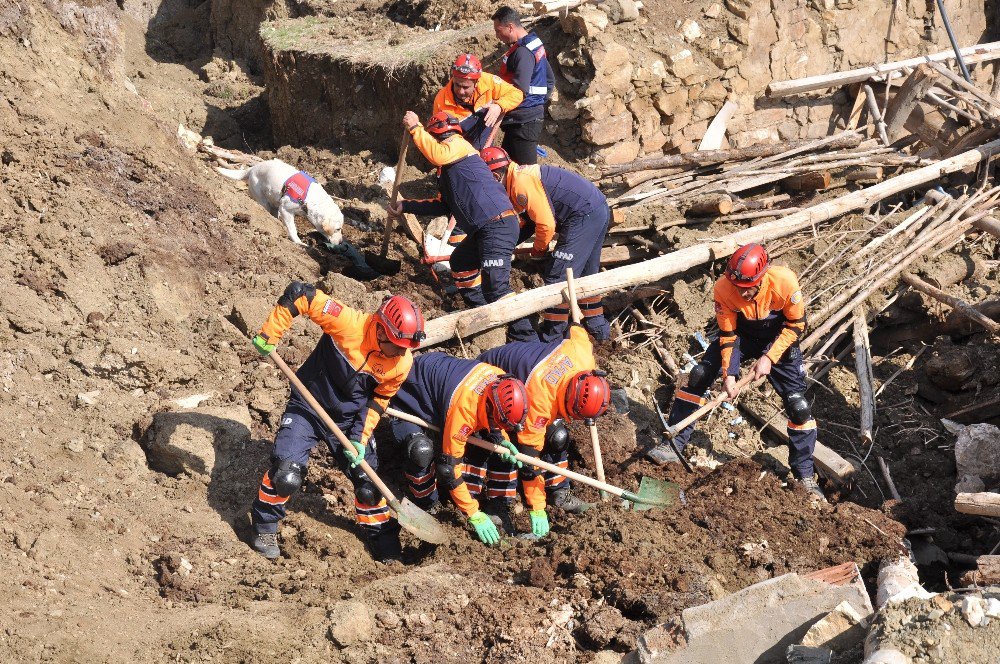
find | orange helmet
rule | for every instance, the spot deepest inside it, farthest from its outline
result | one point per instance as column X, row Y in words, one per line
column 588, row 395
column 507, row 403
column 401, row 321
column 495, row 158
column 467, row 66
column 443, row 122
column 747, row 266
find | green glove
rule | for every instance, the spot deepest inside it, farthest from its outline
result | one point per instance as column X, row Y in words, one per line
column 486, row 530
column 509, row 456
column 539, row 522
column 260, row 343
column 355, row 453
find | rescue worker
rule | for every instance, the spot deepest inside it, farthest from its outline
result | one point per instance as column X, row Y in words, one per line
column 556, row 200
column 357, row 366
column 761, row 316
column 563, row 384
column 527, row 67
column 477, row 99
column 480, row 264
column 462, row 398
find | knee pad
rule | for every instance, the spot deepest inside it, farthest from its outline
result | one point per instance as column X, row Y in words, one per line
column 366, row 492
column 556, row 437
column 445, row 466
column 419, row 450
column 797, row 407
column 287, row 476
column 527, row 471
column 699, row 379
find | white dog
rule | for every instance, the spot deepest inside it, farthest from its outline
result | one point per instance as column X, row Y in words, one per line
column 286, row 192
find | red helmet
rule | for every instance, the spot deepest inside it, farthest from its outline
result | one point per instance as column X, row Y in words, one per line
column 588, row 395
column 443, row 122
column 401, row 321
column 495, row 158
column 747, row 266
column 467, row 66
column 507, row 403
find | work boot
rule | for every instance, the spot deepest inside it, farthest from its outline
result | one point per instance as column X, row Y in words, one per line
column 499, row 513
column 266, row 544
column 386, row 548
column 812, row 486
column 663, row 454
column 567, row 501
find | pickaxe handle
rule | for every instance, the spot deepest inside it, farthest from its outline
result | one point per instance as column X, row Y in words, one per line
column 328, row 421
column 672, row 432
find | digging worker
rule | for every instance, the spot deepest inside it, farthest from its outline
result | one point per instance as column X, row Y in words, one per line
column 357, row 366
column 527, row 67
column 462, row 398
column 556, row 200
column 563, row 384
column 480, row 264
column 478, row 100
column 761, row 316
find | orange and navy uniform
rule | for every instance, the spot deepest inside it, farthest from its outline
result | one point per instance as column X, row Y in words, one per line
column 449, row 393
column 353, row 381
column 777, row 312
column 546, row 369
column 769, row 324
column 559, row 201
column 490, row 89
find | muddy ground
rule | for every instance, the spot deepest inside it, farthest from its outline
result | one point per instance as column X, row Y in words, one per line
column 133, row 276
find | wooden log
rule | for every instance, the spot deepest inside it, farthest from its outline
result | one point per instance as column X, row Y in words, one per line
column 529, row 302
column 844, row 141
column 638, row 177
column 987, row 572
column 884, row 467
column 834, row 467
column 863, row 369
column 876, row 114
column 711, row 206
column 916, row 283
column 812, row 181
column 988, row 224
column 859, row 105
column 906, row 98
column 979, row 504
column 864, row 174
column 897, row 577
column 990, row 51
column 965, row 85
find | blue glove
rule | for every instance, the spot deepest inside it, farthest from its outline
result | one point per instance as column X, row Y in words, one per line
column 539, row 522
column 262, row 346
column 486, row 530
column 355, row 453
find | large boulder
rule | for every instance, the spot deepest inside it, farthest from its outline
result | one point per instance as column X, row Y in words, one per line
column 189, row 441
column 977, row 454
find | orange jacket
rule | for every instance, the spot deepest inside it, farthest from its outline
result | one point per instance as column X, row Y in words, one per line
column 441, row 153
column 546, row 388
column 467, row 415
column 490, row 89
column 524, row 187
column 353, row 335
column 778, row 306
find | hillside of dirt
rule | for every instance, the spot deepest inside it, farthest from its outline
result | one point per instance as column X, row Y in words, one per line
column 133, row 277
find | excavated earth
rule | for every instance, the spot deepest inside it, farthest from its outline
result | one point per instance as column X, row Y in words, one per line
column 133, row 276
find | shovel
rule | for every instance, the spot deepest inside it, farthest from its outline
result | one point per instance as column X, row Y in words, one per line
column 410, row 517
column 652, row 493
column 594, row 440
column 381, row 261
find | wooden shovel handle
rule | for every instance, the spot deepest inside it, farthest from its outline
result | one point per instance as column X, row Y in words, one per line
column 710, row 406
column 394, row 196
column 328, row 421
column 574, row 306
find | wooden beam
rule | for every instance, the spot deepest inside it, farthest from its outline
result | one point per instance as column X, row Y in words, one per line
column 906, row 98
column 529, row 302
column 978, row 53
column 979, row 504
column 863, row 369
column 989, row 225
column 960, row 307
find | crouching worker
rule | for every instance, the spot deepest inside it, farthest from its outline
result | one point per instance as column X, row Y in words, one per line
column 563, row 384
column 357, row 366
column 462, row 398
column 761, row 316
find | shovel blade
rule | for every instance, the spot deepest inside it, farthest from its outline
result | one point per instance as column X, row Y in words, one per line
column 419, row 522
column 656, row 494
